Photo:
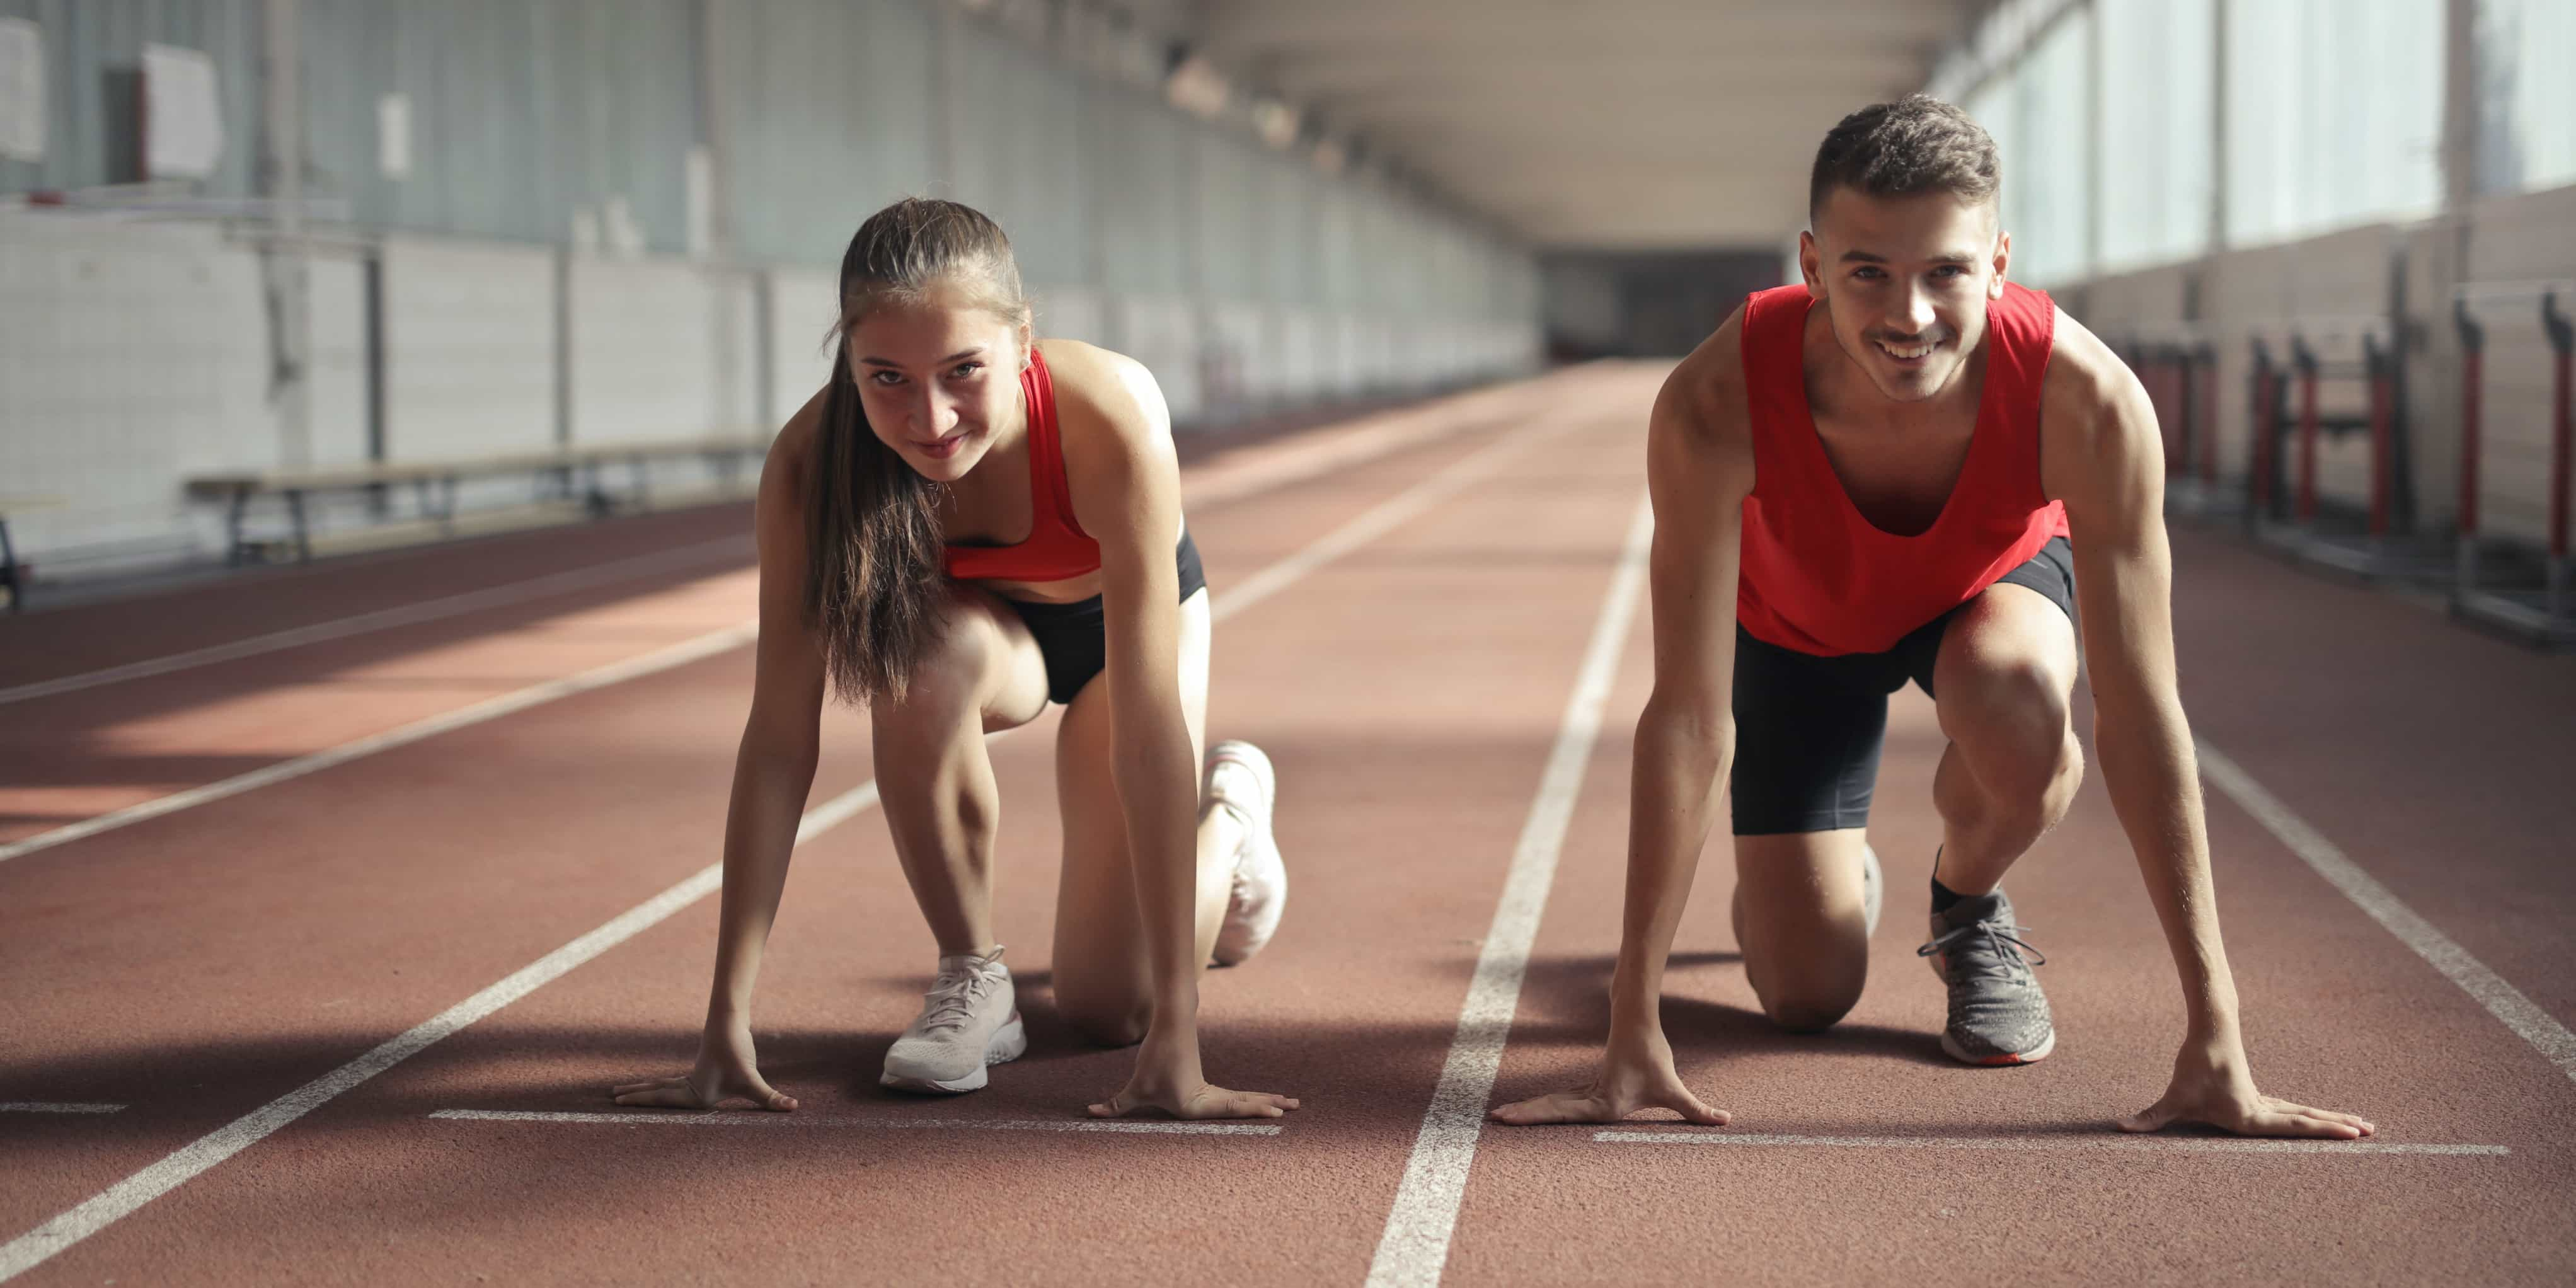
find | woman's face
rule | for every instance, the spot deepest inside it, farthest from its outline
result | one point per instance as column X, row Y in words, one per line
column 940, row 379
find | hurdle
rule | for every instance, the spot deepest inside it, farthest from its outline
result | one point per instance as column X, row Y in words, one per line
column 2538, row 606
column 2375, row 538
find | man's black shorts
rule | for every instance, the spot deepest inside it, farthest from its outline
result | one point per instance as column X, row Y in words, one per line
column 1808, row 728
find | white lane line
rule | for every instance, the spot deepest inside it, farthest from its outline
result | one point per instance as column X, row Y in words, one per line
column 2502, row 1000
column 1415, row 1245
column 54, row 1107
column 755, row 1118
column 2051, row 1144
column 681, row 654
column 407, row 615
column 122, row 1199
column 1386, row 516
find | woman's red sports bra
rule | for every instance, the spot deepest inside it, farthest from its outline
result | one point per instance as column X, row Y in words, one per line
column 1057, row 549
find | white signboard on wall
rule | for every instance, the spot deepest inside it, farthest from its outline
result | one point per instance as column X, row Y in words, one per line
column 183, row 116
column 22, row 90
column 700, row 169
column 393, row 135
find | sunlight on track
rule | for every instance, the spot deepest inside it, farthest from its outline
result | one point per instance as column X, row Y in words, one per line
column 515, row 592
column 677, row 655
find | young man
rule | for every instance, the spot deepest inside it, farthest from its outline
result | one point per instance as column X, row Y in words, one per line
column 1869, row 479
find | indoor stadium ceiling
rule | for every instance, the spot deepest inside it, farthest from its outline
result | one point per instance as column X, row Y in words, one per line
column 1584, row 124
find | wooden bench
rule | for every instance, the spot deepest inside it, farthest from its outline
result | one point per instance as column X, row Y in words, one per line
column 11, row 575
column 572, row 472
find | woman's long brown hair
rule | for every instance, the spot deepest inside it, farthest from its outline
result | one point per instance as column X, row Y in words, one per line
column 876, row 573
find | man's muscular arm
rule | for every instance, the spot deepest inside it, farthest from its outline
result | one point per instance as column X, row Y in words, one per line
column 1699, row 468
column 2102, row 454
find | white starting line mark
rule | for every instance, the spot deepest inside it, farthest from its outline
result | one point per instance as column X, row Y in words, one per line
column 2036, row 1144
column 54, row 1107
column 756, row 1118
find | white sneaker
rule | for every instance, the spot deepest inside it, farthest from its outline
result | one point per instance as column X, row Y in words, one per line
column 968, row 1021
column 1873, row 888
column 1241, row 782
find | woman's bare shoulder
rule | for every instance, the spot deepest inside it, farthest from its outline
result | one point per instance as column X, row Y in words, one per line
column 791, row 458
column 1100, row 392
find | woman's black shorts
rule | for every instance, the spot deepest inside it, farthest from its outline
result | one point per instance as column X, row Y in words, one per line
column 1073, row 637
column 1808, row 728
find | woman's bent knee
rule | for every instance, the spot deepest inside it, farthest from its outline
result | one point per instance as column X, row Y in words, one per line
column 1109, row 1023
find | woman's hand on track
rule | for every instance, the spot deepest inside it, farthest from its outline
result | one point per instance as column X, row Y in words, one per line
column 1172, row 1084
column 726, row 1070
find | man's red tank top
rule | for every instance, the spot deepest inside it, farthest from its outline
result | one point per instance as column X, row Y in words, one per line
column 1057, row 548
column 1819, row 578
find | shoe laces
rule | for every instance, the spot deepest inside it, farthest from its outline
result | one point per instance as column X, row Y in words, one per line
column 1240, row 803
column 2003, row 945
column 951, row 1002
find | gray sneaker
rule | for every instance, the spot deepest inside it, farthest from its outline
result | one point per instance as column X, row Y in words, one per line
column 1997, row 1014
column 969, row 1021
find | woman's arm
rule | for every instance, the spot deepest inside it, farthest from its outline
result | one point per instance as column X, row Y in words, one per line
column 773, row 772
column 1127, row 495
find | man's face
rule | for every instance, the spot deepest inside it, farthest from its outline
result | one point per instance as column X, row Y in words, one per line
column 1906, row 280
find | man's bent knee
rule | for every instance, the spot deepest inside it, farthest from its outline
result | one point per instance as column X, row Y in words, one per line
column 1815, row 994
column 1810, row 1007
column 1805, row 1015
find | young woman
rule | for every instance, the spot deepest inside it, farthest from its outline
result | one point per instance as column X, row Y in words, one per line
column 962, row 527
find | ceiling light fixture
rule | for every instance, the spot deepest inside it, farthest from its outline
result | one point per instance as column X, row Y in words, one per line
column 1194, row 85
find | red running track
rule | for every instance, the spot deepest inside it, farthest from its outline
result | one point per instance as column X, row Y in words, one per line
column 1410, row 603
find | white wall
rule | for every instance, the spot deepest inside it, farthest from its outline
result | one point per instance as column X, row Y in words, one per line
column 134, row 355
column 469, row 349
column 130, row 356
column 802, row 305
column 661, row 350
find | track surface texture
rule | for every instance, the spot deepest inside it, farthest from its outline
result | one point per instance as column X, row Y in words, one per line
column 268, row 844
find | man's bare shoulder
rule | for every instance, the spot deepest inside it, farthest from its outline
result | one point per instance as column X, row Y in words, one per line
column 2099, row 443
column 2089, row 398
column 2082, row 370
column 1702, row 403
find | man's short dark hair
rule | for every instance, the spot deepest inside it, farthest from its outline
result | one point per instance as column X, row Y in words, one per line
column 1916, row 144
